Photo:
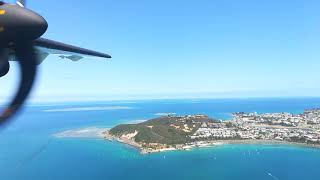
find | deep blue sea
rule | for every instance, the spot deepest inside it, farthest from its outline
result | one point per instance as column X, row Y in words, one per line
column 29, row 151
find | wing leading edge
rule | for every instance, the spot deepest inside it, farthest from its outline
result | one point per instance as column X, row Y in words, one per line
column 65, row 50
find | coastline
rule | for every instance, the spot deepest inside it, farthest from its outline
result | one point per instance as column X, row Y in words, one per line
column 130, row 142
column 94, row 132
column 269, row 142
column 202, row 144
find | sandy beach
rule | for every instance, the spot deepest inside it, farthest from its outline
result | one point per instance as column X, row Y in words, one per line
column 130, row 142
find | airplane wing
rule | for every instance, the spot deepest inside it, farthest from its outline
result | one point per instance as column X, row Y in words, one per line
column 46, row 47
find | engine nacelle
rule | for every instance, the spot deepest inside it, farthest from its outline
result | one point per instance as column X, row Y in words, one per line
column 4, row 68
column 4, row 62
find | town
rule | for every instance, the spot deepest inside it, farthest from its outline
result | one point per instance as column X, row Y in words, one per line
column 299, row 128
column 174, row 132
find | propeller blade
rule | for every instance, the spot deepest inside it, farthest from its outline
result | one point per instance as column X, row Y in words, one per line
column 27, row 61
column 21, row 3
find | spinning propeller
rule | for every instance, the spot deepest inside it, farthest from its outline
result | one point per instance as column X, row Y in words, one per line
column 19, row 28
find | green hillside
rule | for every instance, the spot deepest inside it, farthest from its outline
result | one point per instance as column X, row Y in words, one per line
column 165, row 130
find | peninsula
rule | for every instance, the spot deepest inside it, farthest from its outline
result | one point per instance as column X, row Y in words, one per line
column 185, row 132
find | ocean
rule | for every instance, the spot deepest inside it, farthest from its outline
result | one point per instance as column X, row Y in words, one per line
column 28, row 149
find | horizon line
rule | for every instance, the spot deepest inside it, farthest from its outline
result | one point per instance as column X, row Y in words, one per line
column 32, row 102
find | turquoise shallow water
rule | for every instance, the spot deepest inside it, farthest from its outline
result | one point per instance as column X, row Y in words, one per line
column 28, row 150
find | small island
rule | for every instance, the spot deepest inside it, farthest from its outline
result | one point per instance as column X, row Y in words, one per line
column 173, row 132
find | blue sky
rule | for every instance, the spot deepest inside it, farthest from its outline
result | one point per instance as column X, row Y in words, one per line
column 176, row 48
